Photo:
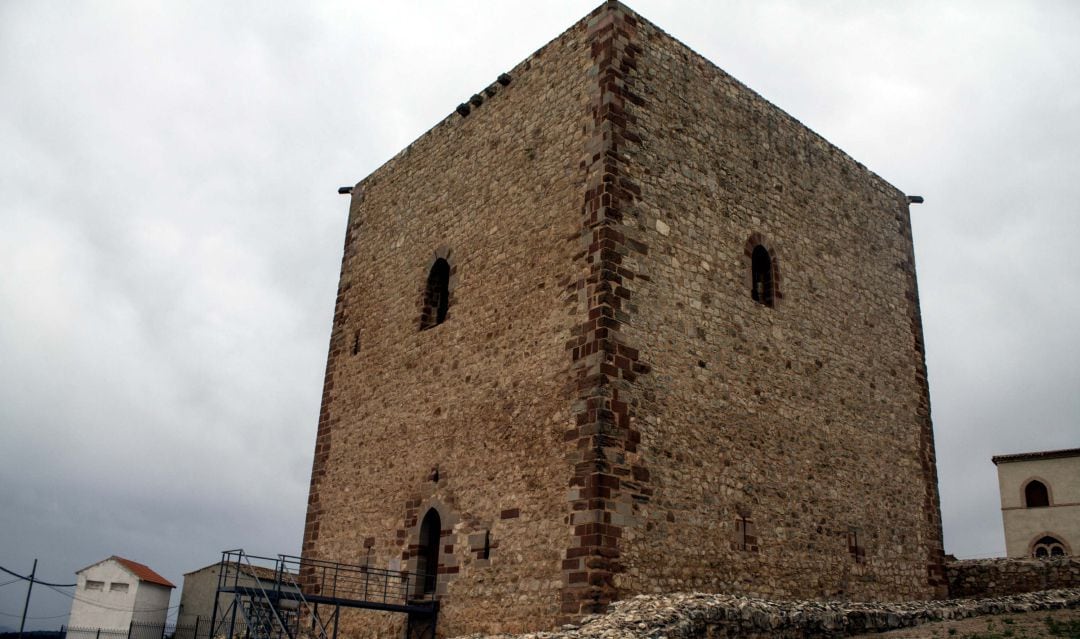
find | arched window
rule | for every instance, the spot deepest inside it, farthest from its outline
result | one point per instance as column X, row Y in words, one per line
column 1036, row 495
column 427, row 565
column 763, row 281
column 1048, row 547
column 436, row 295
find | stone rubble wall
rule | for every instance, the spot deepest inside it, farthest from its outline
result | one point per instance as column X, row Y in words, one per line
column 696, row 615
column 999, row 577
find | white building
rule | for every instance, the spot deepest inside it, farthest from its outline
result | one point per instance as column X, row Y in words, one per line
column 114, row 592
column 1040, row 502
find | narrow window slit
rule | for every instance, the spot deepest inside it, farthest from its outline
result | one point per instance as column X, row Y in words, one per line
column 745, row 537
column 436, row 295
column 761, row 290
column 858, row 552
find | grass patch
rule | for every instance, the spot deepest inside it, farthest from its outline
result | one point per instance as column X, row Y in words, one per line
column 1070, row 628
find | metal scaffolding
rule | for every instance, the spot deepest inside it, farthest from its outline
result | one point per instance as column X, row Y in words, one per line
column 289, row 597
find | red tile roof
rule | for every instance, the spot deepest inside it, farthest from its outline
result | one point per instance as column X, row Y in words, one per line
column 143, row 572
column 261, row 572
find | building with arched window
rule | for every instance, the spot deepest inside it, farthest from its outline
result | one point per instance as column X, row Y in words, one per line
column 1040, row 502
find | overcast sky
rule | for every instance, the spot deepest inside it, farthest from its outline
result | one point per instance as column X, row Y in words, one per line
column 170, row 235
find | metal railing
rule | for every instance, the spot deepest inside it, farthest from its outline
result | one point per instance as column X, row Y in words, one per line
column 197, row 629
column 257, row 596
column 141, row 630
column 271, row 596
column 353, row 582
column 285, row 577
column 77, row 632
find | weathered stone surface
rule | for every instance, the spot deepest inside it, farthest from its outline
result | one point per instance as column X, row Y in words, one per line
column 700, row 616
column 480, row 398
column 809, row 419
column 608, row 409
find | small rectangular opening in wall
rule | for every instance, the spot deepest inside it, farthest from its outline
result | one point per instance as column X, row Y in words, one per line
column 855, row 548
column 480, row 544
column 745, row 535
column 118, row 586
column 95, row 585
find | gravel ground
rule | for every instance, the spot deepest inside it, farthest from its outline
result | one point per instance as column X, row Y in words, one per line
column 695, row 615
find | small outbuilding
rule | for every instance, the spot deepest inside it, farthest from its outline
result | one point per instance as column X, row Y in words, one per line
column 115, row 593
column 200, row 590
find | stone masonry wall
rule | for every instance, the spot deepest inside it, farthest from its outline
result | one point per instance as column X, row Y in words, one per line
column 784, row 451
column 606, row 410
column 999, row 577
column 467, row 417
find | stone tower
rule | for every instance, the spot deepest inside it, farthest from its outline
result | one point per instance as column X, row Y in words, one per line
column 619, row 325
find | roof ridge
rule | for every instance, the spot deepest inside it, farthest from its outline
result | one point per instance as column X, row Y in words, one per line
column 142, row 571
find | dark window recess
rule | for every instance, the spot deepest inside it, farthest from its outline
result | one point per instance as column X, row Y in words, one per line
column 745, row 535
column 486, row 553
column 356, row 343
column 763, row 280
column 855, row 547
column 1048, row 547
column 436, row 295
column 1036, row 495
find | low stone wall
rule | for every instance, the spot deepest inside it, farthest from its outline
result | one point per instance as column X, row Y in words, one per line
column 999, row 577
column 710, row 616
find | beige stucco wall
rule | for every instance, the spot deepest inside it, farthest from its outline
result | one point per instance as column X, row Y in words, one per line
column 197, row 595
column 1023, row 526
column 114, row 610
column 200, row 589
column 151, row 603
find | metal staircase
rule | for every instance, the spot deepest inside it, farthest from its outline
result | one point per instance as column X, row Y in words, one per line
column 289, row 597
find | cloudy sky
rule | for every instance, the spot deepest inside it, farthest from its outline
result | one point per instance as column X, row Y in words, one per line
column 170, row 234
